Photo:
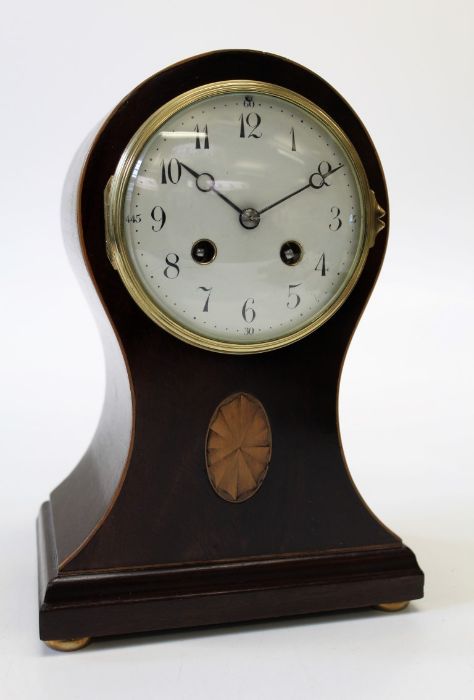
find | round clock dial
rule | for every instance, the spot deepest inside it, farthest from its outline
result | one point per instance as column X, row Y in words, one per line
column 238, row 216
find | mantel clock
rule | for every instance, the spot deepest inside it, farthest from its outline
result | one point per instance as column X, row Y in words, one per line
column 228, row 221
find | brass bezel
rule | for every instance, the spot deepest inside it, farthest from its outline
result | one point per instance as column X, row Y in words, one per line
column 115, row 198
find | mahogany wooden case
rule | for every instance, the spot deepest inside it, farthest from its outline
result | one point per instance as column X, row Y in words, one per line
column 136, row 538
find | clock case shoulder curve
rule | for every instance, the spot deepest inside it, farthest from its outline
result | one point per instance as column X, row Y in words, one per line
column 148, row 422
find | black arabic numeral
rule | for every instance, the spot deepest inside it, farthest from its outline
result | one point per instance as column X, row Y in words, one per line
column 293, row 298
column 171, row 173
column 201, row 134
column 133, row 219
column 158, row 214
column 171, row 271
column 253, row 121
column 242, row 127
column 336, row 222
column 248, row 312
column 321, row 266
column 206, row 304
column 293, row 142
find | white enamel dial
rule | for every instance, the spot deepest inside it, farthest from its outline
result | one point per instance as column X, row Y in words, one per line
column 243, row 218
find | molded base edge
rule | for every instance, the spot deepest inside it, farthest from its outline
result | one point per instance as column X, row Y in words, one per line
column 103, row 603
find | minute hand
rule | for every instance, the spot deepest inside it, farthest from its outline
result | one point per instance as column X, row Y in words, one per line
column 311, row 183
column 283, row 199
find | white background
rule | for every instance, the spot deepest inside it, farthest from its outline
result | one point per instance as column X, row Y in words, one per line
column 406, row 400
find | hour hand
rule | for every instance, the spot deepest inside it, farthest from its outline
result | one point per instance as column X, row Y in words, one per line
column 205, row 182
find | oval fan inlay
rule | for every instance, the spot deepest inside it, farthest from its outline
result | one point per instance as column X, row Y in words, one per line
column 238, row 447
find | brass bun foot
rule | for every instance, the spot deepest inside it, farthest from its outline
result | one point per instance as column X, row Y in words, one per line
column 392, row 607
column 68, row 644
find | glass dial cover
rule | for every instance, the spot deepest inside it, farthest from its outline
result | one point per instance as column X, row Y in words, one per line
column 238, row 215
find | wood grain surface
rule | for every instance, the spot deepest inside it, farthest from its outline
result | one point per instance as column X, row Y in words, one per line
column 140, row 501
